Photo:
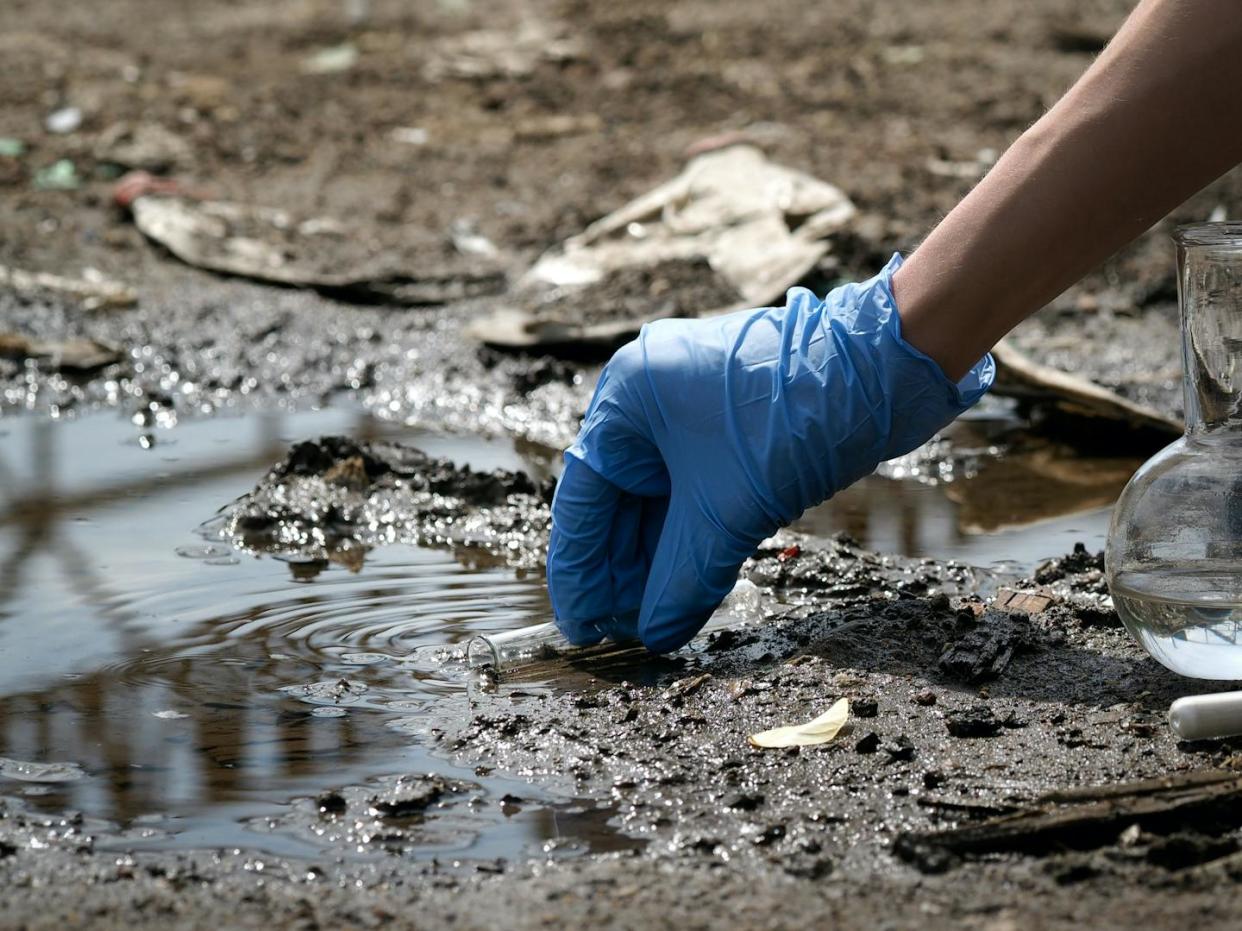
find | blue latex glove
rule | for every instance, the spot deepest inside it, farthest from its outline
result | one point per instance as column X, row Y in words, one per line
column 706, row 436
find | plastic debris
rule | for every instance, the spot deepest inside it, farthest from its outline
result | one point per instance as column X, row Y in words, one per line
column 59, row 176
column 63, row 121
column 93, row 290
column 1072, row 396
column 11, row 147
column 502, row 53
column 732, row 230
column 323, row 253
column 332, row 60
column 410, row 135
column 72, row 355
column 818, row 731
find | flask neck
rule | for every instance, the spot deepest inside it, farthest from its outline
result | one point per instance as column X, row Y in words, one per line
column 1209, row 261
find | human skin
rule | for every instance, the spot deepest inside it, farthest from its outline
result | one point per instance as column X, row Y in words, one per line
column 1155, row 118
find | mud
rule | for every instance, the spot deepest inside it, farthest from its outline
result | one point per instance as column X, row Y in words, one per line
column 778, row 837
column 333, row 499
column 675, row 288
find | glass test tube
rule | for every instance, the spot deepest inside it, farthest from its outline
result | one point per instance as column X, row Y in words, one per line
column 516, row 647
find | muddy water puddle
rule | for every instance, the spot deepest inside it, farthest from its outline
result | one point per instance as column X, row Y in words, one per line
column 184, row 693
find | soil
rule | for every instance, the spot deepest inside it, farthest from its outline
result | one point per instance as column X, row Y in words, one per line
column 334, row 499
column 899, row 108
column 676, row 288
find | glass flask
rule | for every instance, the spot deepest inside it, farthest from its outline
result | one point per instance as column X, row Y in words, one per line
column 1174, row 554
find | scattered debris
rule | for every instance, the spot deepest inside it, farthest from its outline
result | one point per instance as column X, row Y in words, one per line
column 966, row 170
column 93, row 290
column 71, row 355
column 169, row 714
column 11, row 147
column 1022, row 602
column 61, row 175
column 318, row 252
column 557, row 124
column 331, row 60
column 733, row 223
column 410, row 135
column 688, row 686
column 502, row 53
column 818, row 731
column 63, row 121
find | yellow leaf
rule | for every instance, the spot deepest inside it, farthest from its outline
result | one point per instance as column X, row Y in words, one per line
column 819, row 731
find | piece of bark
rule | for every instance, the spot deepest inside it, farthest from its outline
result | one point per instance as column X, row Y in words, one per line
column 1084, row 819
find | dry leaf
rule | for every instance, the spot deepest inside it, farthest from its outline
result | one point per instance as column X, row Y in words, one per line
column 819, row 731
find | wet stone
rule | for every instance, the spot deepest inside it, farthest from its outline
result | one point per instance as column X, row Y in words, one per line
column 865, row 708
column 974, row 721
column 331, row 803
column 867, row 743
column 900, row 749
column 408, row 798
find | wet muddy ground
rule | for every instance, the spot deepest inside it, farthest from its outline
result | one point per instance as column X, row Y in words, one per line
column 235, row 696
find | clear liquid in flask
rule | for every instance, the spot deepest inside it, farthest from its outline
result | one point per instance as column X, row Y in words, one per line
column 1188, row 618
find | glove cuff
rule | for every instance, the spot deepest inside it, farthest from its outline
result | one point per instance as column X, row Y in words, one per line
column 972, row 386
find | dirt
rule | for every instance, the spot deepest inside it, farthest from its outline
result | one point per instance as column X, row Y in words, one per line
column 332, row 500
column 768, row 838
column 898, row 108
column 677, row 288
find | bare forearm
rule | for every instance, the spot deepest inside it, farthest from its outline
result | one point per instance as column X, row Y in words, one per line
column 1156, row 118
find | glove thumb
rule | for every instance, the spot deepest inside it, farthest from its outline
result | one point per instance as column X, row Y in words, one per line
column 694, row 567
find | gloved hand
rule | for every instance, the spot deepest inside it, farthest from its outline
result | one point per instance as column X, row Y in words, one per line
column 706, row 436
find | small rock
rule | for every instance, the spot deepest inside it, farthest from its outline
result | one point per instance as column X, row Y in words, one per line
column 974, row 721
column 331, row 803
column 687, row 686
column 925, row 698
column 865, row 708
column 868, row 743
column 899, row 749
column 409, row 798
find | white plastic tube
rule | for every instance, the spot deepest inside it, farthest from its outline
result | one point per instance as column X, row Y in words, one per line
column 1204, row 717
